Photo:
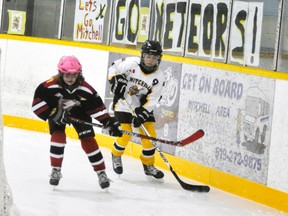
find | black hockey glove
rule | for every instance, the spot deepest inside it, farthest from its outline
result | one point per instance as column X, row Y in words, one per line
column 118, row 85
column 114, row 127
column 142, row 116
column 61, row 112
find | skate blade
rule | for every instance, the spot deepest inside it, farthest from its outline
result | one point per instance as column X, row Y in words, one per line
column 151, row 178
column 53, row 187
column 106, row 190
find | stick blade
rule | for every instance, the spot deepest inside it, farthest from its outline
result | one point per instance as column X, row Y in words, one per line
column 195, row 136
column 190, row 187
column 196, row 188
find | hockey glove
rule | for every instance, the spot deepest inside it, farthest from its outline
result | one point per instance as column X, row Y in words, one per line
column 114, row 127
column 142, row 115
column 118, row 85
column 61, row 112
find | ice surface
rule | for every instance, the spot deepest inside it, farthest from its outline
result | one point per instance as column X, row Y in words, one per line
column 26, row 157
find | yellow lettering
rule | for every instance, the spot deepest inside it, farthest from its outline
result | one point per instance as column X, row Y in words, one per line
column 81, row 7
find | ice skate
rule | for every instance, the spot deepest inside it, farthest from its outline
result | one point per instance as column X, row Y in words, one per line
column 117, row 164
column 55, row 176
column 151, row 171
column 104, row 181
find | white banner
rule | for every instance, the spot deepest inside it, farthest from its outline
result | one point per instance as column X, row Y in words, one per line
column 254, row 31
column 174, row 25
column 126, row 21
column 17, row 22
column 245, row 37
column 194, row 28
column 208, row 26
column 89, row 21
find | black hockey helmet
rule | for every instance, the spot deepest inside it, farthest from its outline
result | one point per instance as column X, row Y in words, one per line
column 152, row 48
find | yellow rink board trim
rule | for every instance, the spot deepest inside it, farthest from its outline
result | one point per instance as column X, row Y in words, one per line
column 204, row 63
column 196, row 172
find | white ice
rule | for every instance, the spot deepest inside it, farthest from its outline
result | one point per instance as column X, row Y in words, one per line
column 26, row 157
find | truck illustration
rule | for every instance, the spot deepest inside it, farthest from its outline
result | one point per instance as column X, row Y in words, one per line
column 256, row 116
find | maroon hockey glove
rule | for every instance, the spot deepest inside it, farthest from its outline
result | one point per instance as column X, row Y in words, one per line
column 142, row 116
column 114, row 127
column 118, row 85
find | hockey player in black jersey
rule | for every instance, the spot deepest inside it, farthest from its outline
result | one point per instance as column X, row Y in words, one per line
column 68, row 94
column 140, row 80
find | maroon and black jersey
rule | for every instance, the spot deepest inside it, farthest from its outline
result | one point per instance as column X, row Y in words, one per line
column 48, row 93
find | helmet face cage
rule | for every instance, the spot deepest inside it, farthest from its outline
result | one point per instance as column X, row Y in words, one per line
column 152, row 48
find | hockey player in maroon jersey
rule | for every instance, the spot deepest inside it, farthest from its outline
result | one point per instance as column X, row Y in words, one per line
column 68, row 94
column 139, row 80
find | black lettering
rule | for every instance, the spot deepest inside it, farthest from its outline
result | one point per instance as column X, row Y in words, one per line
column 131, row 36
column 221, row 23
column 195, row 11
column 254, row 34
column 121, row 3
column 239, row 51
column 167, row 43
column 208, row 22
column 181, row 8
column 159, row 20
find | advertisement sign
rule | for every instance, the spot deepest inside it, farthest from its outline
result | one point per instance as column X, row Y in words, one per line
column 236, row 114
column 166, row 113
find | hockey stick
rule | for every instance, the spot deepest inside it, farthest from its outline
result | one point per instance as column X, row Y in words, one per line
column 192, row 138
column 186, row 186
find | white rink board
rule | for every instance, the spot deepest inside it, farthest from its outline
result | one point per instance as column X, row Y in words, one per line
column 26, row 64
column 278, row 160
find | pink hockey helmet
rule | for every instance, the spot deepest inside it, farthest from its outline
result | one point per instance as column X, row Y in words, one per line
column 69, row 65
